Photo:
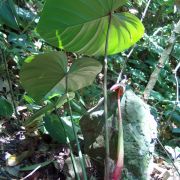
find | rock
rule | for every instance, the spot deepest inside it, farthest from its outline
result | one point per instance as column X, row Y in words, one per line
column 139, row 128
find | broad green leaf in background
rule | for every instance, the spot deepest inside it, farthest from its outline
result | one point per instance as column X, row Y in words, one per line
column 6, row 108
column 55, row 128
column 45, row 74
column 8, row 14
column 81, row 26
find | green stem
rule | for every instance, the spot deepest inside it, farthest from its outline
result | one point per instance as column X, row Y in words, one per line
column 82, row 162
column 107, row 173
column 75, row 168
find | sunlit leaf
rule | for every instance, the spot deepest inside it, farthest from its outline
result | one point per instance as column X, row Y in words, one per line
column 82, row 26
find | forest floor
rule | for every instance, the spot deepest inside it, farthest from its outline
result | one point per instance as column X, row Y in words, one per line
column 36, row 156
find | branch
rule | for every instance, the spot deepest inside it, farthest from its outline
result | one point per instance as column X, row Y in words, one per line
column 31, row 173
column 163, row 59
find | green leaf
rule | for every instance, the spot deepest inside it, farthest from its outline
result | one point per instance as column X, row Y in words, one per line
column 8, row 14
column 39, row 74
column 54, row 126
column 176, row 118
column 48, row 108
column 176, row 131
column 156, row 95
column 18, row 40
column 6, row 108
column 45, row 74
column 138, row 74
column 176, row 51
column 32, row 167
column 82, row 26
column 77, row 107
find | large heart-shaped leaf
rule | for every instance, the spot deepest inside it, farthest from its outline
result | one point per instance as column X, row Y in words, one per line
column 8, row 14
column 45, row 74
column 81, row 26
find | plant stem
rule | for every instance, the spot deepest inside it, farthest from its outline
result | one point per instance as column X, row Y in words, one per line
column 9, row 82
column 70, row 147
column 106, row 175
column 75, row 134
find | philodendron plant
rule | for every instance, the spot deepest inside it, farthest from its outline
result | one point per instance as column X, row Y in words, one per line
column 81, row 26
column 86, row 27
column 47, row 75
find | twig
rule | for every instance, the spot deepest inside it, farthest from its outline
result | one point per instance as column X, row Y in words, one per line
column 132, row 49
column 164, row 57
column 31, row 173
column 107, row 164
column 168, row 155
column 145, row 10
column 124, row 65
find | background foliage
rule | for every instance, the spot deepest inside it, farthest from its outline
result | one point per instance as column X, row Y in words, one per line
column 19, row 40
